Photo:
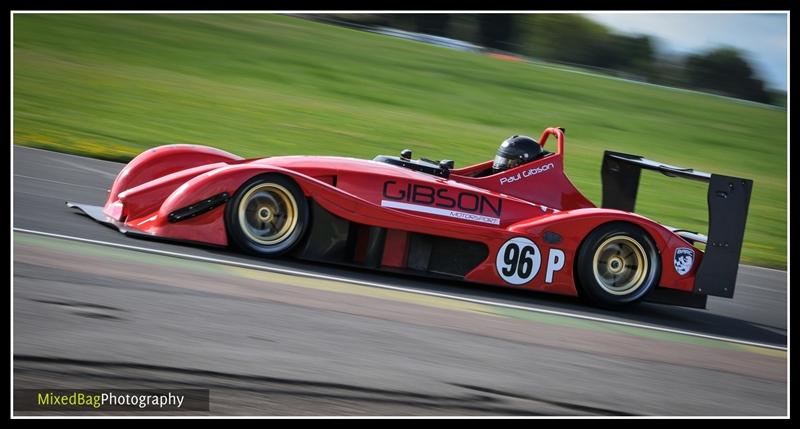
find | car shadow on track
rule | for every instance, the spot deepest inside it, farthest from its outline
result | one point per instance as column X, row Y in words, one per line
column 661, row 315
column 665, row 316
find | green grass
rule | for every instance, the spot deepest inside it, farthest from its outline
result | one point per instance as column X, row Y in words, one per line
column 111, row 86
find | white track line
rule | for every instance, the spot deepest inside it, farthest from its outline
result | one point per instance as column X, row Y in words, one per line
column 60, row 183
column 397, row 288
column 85, row 168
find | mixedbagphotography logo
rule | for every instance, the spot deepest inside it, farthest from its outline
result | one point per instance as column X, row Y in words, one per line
column 111, row 400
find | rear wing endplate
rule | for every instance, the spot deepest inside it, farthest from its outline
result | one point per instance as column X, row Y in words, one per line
column 728, row 201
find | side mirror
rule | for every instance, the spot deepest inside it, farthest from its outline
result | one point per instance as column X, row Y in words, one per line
column 447, row 164
column 405, row 154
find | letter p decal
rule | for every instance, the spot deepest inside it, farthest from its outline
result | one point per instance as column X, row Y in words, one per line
column 555, row 262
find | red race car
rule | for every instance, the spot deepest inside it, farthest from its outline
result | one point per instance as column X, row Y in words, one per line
column 516, row 221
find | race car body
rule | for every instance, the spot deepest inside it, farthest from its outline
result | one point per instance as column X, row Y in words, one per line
column 526, row 227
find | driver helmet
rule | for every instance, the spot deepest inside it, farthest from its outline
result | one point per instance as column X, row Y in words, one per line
column 514, row 151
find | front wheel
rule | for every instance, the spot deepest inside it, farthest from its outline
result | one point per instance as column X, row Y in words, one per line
column 617, row 265
column 267, row 216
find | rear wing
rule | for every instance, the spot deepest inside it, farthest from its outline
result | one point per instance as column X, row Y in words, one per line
column 728, row 201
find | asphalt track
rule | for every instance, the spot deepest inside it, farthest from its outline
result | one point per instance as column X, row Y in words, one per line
column 91, row 315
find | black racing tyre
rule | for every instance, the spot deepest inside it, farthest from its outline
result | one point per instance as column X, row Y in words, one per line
column 267, row 216
column 617, row 265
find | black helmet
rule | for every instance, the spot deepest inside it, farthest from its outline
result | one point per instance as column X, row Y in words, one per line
column 514, row 151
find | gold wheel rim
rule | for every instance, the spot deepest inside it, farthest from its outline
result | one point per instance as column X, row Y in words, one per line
column 620, row 265
column 268, row 213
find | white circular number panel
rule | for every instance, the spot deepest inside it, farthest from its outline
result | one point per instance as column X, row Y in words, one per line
column 518, row 260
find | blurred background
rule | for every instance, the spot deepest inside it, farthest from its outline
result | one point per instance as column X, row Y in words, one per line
column 669, row 87
column 737, row 55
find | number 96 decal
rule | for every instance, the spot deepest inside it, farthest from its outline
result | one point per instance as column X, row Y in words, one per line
column 519, row 260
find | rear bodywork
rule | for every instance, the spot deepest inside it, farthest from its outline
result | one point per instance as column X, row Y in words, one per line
column 397, row 214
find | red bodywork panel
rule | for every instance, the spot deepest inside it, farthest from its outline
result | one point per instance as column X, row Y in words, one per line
column 533, row 200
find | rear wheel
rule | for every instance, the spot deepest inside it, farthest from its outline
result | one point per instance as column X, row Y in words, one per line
column 267, row 215
column 617, row 265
